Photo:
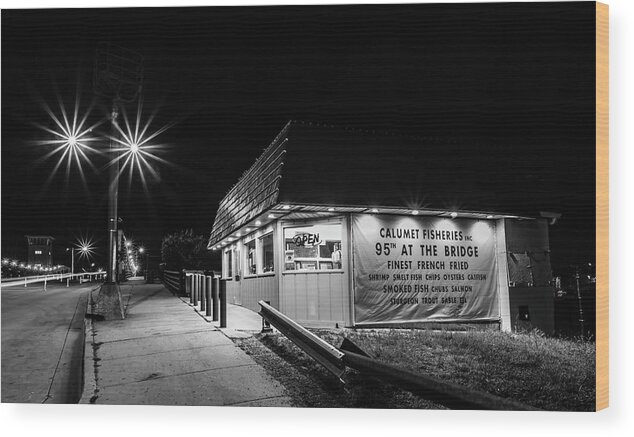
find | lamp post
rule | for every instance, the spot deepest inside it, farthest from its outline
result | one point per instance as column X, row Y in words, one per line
column 145, row 264
column 72, row 259
column 118, row 76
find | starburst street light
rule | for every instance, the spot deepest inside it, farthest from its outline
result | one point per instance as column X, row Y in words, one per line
column 135, row 151
column 86, row 247
column 72, row 138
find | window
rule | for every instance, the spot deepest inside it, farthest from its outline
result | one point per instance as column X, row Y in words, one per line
column 38, row 252
column 228, row 267
column 266, row 248
column 251, row 258
column 316, row 247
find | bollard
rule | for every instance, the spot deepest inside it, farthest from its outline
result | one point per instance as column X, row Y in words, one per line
column 194, row 289
column 209, row 281
column 215, row 287
column 223, row 303
column 190, row 286
column 197, row 290
column 203, row 294
column 45, row 283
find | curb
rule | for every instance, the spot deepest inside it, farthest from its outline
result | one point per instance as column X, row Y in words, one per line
column 88, row 368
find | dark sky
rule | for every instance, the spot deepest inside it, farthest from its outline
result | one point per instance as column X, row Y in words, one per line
column 514, row 80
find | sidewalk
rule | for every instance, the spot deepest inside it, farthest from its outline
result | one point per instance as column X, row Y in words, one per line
column 166, row 353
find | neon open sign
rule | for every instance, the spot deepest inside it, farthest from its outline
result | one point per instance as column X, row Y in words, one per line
column 306, row 239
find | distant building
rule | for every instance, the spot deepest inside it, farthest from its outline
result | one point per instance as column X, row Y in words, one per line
column 40, row 250
column 324, row 227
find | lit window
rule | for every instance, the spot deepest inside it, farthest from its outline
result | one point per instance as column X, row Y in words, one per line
column 315, row 247
column 251, row 258
column 228, row 261
column 38, row 252
column 266, row 249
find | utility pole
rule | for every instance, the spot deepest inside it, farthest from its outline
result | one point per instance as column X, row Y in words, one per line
column 118, row 76
column 113, row 195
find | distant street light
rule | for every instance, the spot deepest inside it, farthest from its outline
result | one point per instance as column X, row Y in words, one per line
column 145, row 262
column 72, row 259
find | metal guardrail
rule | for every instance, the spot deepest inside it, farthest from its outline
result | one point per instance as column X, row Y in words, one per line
column 173, row 280
column 24, row 281
column 451, row 395
column 327, row 355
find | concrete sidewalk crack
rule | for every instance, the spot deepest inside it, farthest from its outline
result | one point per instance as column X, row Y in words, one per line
column 154, row 335
column 171, row 350
column 155, row 377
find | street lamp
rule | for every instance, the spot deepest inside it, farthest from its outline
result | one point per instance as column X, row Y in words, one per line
column 145, row 264
column 118, row 77
column 72, row 259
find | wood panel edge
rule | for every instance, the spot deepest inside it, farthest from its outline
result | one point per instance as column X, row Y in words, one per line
column 602, row 205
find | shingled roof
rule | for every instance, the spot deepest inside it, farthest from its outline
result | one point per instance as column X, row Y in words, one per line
column 311, row 164
column 256, row 191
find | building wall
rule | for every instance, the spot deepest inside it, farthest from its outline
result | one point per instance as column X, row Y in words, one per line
column 43, row 258
column 315, row 299
column 324, row 298
column 249, row 291
column 536, row 303
column 40, row 250
column 530, row 275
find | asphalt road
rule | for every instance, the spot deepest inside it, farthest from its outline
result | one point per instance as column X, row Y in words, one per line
column 42, row 342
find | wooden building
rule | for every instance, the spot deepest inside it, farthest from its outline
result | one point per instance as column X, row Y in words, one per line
column 339, row 227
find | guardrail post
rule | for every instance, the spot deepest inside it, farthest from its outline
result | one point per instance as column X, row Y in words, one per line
column 223, row 303
column 266, row 325
column 208, row 281
column 25, row 282
column 45, row 278
column 203, row 296
column 215, row 287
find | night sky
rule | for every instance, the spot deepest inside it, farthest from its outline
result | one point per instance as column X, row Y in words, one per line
column 514, row 80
